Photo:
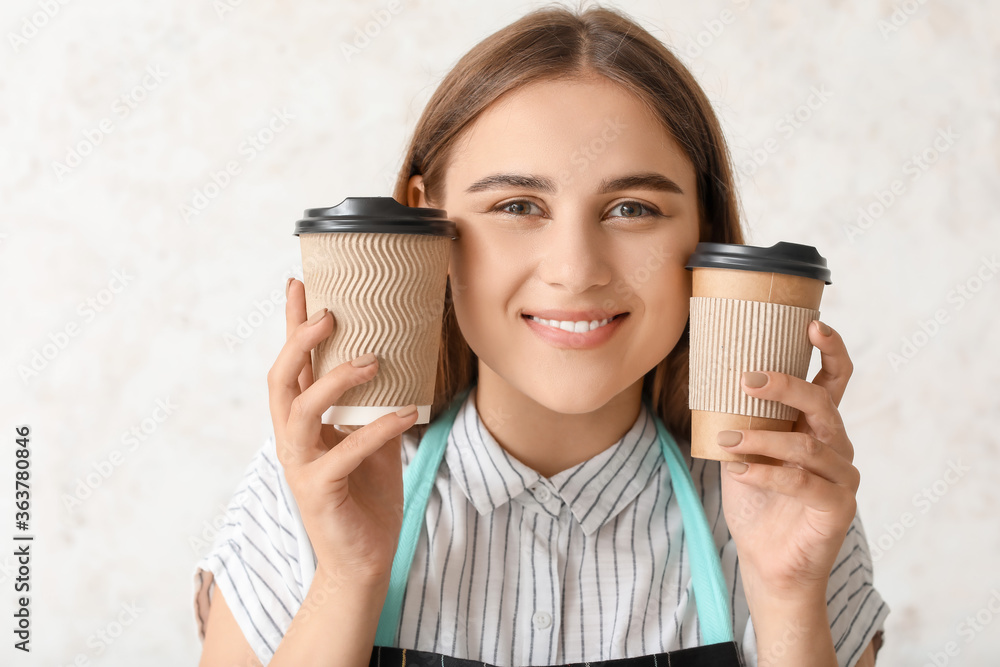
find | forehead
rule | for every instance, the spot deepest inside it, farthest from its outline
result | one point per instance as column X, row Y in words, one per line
column 588, row 129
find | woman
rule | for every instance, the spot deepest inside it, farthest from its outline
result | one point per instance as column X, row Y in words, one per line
column 571, row 150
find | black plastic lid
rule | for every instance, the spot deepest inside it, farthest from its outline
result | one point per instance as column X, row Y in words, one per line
column 793, row 259
column 376, row 214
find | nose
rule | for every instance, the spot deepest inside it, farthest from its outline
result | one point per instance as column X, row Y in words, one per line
column 575, row 254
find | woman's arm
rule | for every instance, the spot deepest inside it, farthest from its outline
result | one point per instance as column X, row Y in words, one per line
column 335, row 625
column 224, row 641
column 800, row 637
column 868, row 657
column 793, row 633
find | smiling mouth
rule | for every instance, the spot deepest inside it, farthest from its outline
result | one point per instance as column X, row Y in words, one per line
column 575, row 327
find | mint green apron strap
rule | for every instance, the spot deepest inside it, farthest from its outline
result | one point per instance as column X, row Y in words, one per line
column 710, row 589
column 418, row 479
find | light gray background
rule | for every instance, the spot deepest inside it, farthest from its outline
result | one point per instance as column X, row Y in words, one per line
column 895, row 76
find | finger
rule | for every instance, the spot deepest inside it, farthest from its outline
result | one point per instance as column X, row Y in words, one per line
column 342, row 460
column 799, row 449
column 283, row 378
column 295, row 314
column 306, row 411
column 837, row 366
column 812, row 490
column 812, row 400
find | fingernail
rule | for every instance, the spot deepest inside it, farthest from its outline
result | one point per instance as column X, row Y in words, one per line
column 407, row 411
column 736, row 467
column 366, row 359
column 317, row 316
column 823, row 329
column 730, row 438
column 288, row 285
column 754, row 379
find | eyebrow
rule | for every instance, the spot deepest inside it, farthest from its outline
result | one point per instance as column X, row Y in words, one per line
column 643, row 181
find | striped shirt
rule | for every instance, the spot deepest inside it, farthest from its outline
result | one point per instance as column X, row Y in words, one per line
column 513, row 568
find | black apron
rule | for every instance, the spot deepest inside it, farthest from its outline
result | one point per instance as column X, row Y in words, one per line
column 710, row 591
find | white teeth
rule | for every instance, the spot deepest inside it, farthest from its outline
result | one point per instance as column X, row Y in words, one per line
column 572, row 327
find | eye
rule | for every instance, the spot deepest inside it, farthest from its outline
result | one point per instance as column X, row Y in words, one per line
column 630, row 209
column 517, row 208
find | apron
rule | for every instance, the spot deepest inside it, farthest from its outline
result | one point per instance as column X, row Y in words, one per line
column 710, row 591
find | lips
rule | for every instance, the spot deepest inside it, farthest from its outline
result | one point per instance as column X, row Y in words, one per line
column 575, row 340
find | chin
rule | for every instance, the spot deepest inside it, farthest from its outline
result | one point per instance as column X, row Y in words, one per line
column 571, row 394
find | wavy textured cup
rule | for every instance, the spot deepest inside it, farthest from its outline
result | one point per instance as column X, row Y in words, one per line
column 748, row 320
column 386, row 292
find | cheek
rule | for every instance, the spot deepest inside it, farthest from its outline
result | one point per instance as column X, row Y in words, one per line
column 656, row 271
column 480, row 281
column 670, row 301
column 462, row 268
column 482, row 303
column 666, row 299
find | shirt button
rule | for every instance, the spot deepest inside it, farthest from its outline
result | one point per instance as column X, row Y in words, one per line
column 543, row 494
column 542, row 620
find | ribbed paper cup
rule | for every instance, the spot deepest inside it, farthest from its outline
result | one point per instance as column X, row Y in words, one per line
column 382, row 274
column 748, row 313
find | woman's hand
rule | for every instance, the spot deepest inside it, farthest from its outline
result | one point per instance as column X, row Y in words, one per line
column 789, row 521
column 348, row 487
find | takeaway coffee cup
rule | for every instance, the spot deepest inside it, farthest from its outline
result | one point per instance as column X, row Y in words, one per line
column 750, row 311
column 381, row 268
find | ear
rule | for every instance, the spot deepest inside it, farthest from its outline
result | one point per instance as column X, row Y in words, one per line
column 415, row 195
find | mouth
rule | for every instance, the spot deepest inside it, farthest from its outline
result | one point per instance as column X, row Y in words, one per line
column 576, row 325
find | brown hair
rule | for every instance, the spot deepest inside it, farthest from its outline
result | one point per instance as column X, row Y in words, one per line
column 557, row 43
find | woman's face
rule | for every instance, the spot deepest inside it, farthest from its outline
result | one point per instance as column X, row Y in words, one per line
column 569, row 196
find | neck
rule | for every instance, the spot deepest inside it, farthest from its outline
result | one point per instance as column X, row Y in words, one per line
column 548, row 441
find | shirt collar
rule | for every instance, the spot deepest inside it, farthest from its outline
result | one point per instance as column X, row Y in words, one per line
column 483, row 469
column 595, row 490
